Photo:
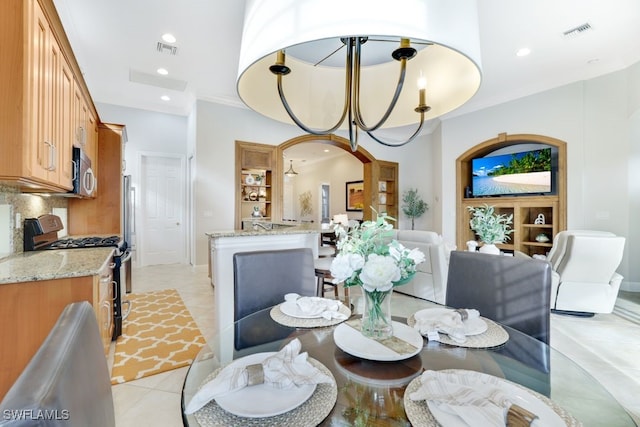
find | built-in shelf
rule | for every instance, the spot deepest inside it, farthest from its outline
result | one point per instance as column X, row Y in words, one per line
column 525, row 209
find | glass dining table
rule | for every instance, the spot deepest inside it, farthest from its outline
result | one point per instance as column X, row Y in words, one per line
column 371, row 393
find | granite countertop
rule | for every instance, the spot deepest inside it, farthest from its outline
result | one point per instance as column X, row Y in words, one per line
column 280, row 228
column 53, row 264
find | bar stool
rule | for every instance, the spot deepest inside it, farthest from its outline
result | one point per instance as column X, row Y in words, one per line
column 323, row 273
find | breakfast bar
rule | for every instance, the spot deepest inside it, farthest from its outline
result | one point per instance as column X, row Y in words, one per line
column 264, row 236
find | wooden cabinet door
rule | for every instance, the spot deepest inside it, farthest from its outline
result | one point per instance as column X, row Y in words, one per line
column 103, row 305
column 66, row 122
column 40, row 96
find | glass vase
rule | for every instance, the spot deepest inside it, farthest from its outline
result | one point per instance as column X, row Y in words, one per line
column 376, row 317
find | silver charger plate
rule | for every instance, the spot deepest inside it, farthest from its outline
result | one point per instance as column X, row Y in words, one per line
column 311, row 412
column 295, row 322
column 419, row 414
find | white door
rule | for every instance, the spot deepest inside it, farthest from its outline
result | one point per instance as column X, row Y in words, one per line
column 162, row 199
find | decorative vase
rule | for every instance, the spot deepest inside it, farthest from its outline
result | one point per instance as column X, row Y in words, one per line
column 376, row 317
column 489, row 248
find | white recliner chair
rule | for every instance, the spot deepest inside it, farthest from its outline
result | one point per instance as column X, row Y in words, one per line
column 584, row 278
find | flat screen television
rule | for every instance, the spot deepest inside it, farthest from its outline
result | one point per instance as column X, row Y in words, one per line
column 524, row 173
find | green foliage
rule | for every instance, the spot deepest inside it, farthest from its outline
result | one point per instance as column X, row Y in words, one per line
column 531, row 162
column 413, row 205
column 489, row 226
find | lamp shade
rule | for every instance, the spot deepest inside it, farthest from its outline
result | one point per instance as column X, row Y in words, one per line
column 444, row 32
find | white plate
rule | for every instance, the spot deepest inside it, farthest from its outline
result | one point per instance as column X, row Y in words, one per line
column 546, row 416
column 290, row 308
column 474, row 326
column 263, row 400
column 249, row 179
column 352, row 341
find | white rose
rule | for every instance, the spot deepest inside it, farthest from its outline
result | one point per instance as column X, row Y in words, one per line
column 379, row 273
column 344, row 265
column 416, row 256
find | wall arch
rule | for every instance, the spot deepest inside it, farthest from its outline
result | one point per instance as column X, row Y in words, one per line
column 370, row 165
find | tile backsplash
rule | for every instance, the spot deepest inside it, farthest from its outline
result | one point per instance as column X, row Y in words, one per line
column 28, row 206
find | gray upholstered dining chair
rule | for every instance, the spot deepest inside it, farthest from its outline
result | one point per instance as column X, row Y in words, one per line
column 261, row 279
column 68, row 377
column 511, row 290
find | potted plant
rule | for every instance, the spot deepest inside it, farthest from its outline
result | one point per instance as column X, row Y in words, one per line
column 490, row 227
column 413, row 206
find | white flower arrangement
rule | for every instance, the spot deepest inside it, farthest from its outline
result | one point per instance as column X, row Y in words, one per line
column 490, row 227
column 367, row 258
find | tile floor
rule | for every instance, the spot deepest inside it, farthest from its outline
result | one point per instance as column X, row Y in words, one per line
column 607, row 346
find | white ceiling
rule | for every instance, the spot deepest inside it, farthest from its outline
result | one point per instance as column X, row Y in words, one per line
column 112, row 38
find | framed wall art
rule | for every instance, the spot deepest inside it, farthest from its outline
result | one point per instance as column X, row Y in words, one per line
column 354, row 195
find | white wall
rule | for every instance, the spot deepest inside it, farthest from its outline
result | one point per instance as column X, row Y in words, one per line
column 335, row 172
column 592, row 117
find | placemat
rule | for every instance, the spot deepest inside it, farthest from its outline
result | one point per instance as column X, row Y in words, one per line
column 494, row 336
column 320, row 322
column 419, row 414
column 310, row 413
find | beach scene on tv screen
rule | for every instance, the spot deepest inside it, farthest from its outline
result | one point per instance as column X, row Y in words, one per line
column 515, row 173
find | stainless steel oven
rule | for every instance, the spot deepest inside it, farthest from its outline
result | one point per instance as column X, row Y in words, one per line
column 42, row 234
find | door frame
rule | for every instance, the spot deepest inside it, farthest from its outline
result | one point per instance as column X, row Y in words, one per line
column 141, row 208
column 370, row 167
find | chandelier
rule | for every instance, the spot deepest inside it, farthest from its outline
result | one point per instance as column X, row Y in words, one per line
column 291, row 173
column 328, row 65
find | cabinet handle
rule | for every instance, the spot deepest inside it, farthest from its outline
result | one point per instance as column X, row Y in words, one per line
column 81, row 136
column 107, row 321
column 112, row 265
column 116, row 289
column 50, row 166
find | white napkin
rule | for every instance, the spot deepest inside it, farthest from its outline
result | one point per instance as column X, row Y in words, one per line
column 316, row 306
column 286, row 369
column 475, row 398
column 447, row 321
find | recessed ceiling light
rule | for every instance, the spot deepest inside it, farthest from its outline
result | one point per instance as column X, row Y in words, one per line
column 523, row 52
column 169, row 38
column 326, row 150
column 165, row 98
column 162, row 71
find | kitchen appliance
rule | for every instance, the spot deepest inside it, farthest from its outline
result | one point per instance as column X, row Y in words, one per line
column 128, row 226
column 84, row 181
column 42, row 234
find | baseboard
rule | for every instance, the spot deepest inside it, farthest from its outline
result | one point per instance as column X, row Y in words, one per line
column 627, row 310
column 630, row 286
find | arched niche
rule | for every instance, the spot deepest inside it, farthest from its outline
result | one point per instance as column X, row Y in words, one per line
column 520, row 206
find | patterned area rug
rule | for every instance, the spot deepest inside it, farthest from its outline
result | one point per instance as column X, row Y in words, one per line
column 159, row 335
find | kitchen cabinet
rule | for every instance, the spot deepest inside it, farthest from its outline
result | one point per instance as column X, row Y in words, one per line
column 28, row 311
column 102, row 214
column 36, row 108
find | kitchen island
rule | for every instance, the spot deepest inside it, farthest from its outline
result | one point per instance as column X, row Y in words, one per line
column 263, row 236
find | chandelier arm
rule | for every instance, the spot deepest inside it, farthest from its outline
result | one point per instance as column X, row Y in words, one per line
column 411, row 138
column 356, row 103
column 346, row 107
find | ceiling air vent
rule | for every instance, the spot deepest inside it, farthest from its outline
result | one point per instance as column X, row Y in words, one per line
column 167, row 48
column 580, row 29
